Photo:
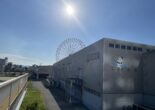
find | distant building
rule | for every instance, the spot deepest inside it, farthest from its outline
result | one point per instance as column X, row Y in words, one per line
column 44, row 71
column 39, row 72
column 3, row 63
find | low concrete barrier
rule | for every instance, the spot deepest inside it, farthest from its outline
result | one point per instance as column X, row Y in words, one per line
column 10, row 89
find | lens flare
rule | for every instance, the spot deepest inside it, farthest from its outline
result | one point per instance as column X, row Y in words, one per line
column 70, row 10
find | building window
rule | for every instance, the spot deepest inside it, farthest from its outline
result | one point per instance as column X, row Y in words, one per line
column 140, row 49
column 111, row 45
column 123, row 47
column 135, row 48
column 117, row 46
column 129, row 47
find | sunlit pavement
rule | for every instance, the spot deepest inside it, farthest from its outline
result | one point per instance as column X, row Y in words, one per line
column 54, row 99
column 50, row 102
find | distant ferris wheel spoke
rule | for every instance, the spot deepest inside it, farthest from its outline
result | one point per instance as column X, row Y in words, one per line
column 68, row 47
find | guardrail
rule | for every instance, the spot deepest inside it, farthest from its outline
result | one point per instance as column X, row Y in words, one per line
column 10, row 89
column 140, row 107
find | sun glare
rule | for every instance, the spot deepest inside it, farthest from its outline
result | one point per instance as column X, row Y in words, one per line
column 70, row 10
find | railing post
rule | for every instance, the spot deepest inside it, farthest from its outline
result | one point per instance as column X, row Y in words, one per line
column 10, row 96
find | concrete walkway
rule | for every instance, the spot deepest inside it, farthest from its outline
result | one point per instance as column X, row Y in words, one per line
column 50, row 102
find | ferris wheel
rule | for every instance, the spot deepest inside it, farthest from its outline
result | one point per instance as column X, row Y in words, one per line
column 68, row 47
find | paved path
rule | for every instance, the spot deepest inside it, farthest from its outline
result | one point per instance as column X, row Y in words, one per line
column 49, row 100
column 54, row 98
column 63, row 104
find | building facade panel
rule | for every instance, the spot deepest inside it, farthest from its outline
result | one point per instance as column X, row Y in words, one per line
column 111, row 72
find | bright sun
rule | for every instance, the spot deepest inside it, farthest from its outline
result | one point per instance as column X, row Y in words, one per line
column 70, row 10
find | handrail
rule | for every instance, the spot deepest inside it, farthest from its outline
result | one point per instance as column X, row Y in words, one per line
column 2, row 84
column 143, row 107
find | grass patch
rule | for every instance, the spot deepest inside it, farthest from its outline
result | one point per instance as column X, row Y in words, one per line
column 33, row 99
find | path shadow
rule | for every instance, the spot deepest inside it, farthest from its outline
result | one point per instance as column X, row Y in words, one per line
column 59, row 96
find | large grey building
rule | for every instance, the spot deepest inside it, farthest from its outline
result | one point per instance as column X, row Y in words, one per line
column 148, row 71
column 3, row 63
column 111, row 72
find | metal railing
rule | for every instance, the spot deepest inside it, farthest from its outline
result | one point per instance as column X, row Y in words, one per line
column 137, row 107
column 140, row 107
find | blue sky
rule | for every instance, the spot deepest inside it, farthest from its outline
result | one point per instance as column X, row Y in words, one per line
column 31, row 30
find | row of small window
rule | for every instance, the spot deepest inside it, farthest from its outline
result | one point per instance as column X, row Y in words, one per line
column 125, row 47
column 134, row 48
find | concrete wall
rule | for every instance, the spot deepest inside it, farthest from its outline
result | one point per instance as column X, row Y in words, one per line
column 92, row 76
column 87, row 65
column 112, row 76
column 115, row 101
column 149, row 79
column 91, row 100
column 9, row 91
column 122, row 78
